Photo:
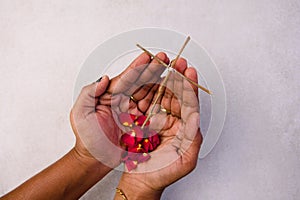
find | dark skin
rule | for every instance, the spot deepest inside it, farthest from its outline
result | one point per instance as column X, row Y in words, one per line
column 180, row 140
column 97, row 150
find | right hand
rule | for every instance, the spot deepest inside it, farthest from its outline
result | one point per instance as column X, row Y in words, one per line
column 180, row 136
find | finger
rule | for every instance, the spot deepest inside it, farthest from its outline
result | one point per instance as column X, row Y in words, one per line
column 124, row 103
column 141, row 92
column 168, row 95
column 101, row 86
column 88, row 97
column 144, row 104
column 176, row 107
column 125, row 80
column 190, row 102
column 150, row 75
column 110, row 100
column 192, row 138
column 90, row 92
column 177, row 139
column 157, row 97
column 106, row 99
column 180, row 66
column 191, row 73
column 153, row 71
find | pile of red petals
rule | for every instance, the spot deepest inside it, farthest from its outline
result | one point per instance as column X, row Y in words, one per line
column 138, row 142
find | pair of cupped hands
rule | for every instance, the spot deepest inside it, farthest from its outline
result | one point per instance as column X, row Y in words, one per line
column 94, row 120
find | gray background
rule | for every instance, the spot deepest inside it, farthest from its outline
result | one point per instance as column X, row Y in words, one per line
column 255, row 44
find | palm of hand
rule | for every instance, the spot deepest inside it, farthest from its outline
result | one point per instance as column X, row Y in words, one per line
column 170, row 161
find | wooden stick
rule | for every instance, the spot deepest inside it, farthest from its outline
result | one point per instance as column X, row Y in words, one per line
column 162, row 85
column 177, row 72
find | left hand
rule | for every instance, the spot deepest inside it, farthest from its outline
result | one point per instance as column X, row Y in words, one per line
column 92, row 117
column 97, row 134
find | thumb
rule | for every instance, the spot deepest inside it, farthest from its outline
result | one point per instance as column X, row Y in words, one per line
column 89, row 93
column 98, row 88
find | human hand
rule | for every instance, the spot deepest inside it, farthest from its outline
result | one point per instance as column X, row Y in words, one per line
column 93, row 115
column 97, row 136
column 93, row 125
column 180, row 136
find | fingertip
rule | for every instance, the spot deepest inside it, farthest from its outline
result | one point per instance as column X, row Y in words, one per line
column 143, row 58
column 102, row 85
column 105, row 78
column 181, row 65
column 191, row 73
column 163, row 56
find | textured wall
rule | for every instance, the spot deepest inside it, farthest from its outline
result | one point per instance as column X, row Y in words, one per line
column 255, row 44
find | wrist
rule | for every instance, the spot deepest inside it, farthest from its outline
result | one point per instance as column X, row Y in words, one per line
column 134, row 189
column 89, row 164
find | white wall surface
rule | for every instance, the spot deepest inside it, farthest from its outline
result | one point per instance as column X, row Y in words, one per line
column 255, row 44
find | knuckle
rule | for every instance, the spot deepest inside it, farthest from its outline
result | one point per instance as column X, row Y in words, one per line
column 162, row 55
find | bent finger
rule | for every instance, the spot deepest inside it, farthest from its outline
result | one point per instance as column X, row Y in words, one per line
column 151, row 75
column 90, row 92
column 124, row 81
column 190, row 102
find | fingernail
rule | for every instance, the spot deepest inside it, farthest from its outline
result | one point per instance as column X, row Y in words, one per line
column 98, row 80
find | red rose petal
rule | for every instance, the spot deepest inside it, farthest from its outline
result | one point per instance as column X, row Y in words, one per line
column 133, row 156
column 136, row 149
column 128, row 140
column 140, row 120
column 138, row 141
column 154, row 140
column 147, row 145
column 133, row 117
column 143, row 157
column 131, row 164
column 139, row 133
